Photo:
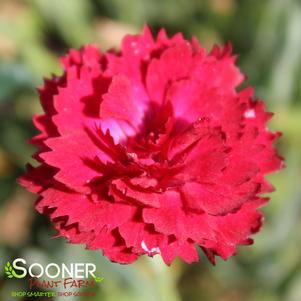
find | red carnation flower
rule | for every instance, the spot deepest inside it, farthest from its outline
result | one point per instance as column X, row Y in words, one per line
column 152, row 150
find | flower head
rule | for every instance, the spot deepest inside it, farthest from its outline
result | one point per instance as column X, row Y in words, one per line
column 152, row 150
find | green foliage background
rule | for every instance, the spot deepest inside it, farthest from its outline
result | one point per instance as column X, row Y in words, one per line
column 267, row 36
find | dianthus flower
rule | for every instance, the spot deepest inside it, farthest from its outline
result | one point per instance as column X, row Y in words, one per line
column 152, row 149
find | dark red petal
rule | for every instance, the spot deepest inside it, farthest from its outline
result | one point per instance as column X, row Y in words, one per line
column 185, row 250
column 82, row 210
column 137, row 194
column 68, row 154
column 173, row 64
column 37, row 178
column 112, row 246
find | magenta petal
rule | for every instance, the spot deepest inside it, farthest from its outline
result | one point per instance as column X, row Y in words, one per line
column 119, row 102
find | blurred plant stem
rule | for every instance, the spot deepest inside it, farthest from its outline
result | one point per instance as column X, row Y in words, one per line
column 165, row 278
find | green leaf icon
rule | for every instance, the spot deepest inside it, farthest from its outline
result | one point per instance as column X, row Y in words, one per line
column 99, row 279
column 9, row 270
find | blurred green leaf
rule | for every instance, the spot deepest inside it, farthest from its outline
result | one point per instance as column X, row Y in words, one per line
column 13, row 79
column 70, row 18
